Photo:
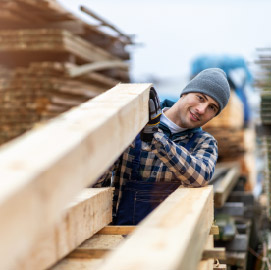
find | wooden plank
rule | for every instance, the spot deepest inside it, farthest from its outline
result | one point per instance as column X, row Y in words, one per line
column 207, row 264
column 89, row 212
column 41, row 171
column 220, row 267
column 117, row 230
column 89, row 253
column 105, row 23
column 216, row 253
column 171, row 237
column 214, row 230
column 81, row 70
column 52, row 40
column 224, row 186
column 99, row 241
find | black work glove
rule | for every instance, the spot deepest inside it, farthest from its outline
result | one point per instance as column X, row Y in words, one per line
column 147, row 132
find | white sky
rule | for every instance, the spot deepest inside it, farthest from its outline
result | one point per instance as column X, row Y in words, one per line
column 173, row 32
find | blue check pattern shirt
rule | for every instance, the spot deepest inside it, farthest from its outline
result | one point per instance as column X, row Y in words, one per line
column 166, row 159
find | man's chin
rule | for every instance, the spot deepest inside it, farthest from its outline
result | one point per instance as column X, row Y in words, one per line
column 194, row 125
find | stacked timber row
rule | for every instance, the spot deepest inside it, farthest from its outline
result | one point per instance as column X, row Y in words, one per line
column 235, row 143
column 52, row 61
column 228, row 130
column 263, row 83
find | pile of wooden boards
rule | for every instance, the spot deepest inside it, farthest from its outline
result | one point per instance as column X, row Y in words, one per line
column 263, row 83
column 52, row 61
column 235, row 142
column 42, row 171
column 228, row 129
column 234, row 214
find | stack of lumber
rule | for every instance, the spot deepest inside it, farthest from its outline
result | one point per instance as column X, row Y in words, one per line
column 52, row 61
column 235, row 143
column 234, row 213
column 227, row 128
column 266, row 106
column 40, row 92
column 263, row 83
column 153, row 244
column 39, row 14
column 230, row 142
column 42, row 171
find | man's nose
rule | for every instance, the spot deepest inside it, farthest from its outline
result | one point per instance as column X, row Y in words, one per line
column 201, row 108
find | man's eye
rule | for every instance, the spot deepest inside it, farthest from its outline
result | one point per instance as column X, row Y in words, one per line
column 200, row 97
column 213, row 108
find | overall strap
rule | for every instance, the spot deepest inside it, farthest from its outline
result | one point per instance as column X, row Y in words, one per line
column 135, row 176
column 192, row 140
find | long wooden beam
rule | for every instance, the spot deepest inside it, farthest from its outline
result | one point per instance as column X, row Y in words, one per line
column 90, row 253
column 223, row 186
column 207, row 264
column 86, row 214
column 124, row 230
column 96, row 66
column 105, row 23
column 41, row 171
column 117, row 230
column 171, row 237
column 218, row 253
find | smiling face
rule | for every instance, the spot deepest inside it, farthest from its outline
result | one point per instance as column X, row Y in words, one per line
column 193, row 110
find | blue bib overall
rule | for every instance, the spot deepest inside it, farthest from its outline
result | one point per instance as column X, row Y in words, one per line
column 140, row 197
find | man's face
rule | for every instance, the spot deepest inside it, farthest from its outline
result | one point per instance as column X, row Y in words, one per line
column 196, row 109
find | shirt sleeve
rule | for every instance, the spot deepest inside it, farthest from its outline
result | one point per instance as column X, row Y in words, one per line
column 193, row 169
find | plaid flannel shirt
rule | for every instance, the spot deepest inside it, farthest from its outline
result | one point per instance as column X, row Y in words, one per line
column 166, row 159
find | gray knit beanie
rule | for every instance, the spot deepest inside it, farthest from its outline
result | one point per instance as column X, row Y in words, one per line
column 212, row 82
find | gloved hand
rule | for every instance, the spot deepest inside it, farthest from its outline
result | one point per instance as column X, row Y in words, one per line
column 155, row 111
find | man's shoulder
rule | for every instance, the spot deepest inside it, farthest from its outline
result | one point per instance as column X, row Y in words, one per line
column 166, row 103
column 207, row 136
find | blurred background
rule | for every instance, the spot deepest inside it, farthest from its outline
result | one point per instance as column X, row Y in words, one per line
column 54, row 55
column 169, row 35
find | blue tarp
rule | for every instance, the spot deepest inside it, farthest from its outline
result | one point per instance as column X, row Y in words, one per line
column 225, row 62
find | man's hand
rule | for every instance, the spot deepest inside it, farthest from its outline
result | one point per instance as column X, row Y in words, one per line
column 147, row 132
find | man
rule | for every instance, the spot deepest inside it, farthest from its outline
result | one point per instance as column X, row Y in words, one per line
column 171, row 150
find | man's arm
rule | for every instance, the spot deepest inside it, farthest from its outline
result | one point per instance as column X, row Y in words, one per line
column 193, row 168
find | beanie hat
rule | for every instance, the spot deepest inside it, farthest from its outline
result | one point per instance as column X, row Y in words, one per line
column 212, row 82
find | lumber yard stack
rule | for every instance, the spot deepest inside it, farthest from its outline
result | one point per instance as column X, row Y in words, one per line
column 56, row 222
column 52, row 61
column 232, row 182
column 228, row 129
column 263, row 83
column 263, row 130
column 235, row 142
